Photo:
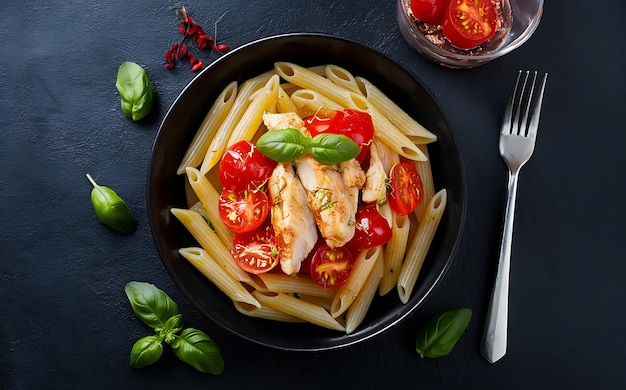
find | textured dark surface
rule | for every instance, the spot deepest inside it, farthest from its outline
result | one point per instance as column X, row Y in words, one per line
column 65, row 321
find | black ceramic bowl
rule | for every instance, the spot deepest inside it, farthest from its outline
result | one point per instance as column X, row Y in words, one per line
column 166, row 189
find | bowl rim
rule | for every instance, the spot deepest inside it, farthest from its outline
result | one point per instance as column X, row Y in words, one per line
column 407, row 309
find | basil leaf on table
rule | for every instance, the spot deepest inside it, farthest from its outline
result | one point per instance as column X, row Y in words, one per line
column 136, row 90
column 437, row 338
column 283, row 145
column 196, row 348
column 330, row 148
column 146, row 351
column 150, row 304
column 111, row 209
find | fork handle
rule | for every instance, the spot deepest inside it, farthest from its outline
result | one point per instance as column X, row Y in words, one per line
column 495, row 334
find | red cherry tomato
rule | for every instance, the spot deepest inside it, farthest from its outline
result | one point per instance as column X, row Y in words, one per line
column 468, row 23
column 255, row 251
column 331, row 267
column 429, row 11
column 243, row 167
column 357, row 125
column 405, row 191
column 244, row 210
column 372, row 229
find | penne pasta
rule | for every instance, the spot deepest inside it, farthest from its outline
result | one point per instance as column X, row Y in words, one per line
column 309, row 102
column 210, row 242
column 288, row 284
column 424, row 170
column 265, row 312
column 253, row 116
column 403, row 121
column 219, row 142
column 418, row 248
column 394, row 252
column 284, row 102
column 356, row 312
column 211, row 123
column 238, row 115
column 347, row 293
column 209, row 197
column 200, row 259
column 298, row 308
column 341, row 77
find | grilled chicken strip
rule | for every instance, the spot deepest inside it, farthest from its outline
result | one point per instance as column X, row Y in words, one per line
column 375, row 188
column 332, row 204
column 292, row 220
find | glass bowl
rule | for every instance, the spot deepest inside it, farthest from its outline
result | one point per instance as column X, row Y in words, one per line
column 520, row 19
column 166, row 189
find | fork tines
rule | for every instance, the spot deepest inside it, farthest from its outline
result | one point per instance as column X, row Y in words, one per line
column 524, row 105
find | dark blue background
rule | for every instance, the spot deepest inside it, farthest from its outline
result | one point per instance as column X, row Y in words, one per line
column 65, row 321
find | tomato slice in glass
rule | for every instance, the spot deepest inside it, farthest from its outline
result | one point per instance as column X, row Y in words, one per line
column 255, row 251
column 429, row 11
column 354, row 124
column 468, row 23
column 331, row 267
column 244, row 210
column 243, row 167
column 405, row 190
column 372, row 229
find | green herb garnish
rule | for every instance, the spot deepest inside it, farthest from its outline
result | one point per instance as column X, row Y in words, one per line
column 287, row 145
column 157, row 310
column 111, row 209
column 438, row 337
column 136, row 90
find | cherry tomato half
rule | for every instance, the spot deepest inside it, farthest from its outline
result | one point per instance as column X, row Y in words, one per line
column 405, row 190
column 244, row 210
column 243, row 167
column 331, row 267
column 429, row 11
column 255, row 251
column 372, row 229
column 468, row 23
column 357, row 125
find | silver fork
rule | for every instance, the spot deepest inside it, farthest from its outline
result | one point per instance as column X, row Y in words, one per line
column 517, row 143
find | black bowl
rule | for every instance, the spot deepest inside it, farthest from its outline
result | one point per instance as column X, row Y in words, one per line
column 166, row 189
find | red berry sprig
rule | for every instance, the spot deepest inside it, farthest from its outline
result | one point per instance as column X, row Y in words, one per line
column 191, row 31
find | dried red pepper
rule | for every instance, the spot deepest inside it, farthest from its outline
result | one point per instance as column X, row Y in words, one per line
column 191, row 31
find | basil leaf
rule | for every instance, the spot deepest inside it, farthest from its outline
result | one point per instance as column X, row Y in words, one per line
column 111, row 209
column 438, row 337
column 172, row 326
column 136, row 90
column 330, row 148
column 195, row 348
column 151, row 305
column 146, row 351
column 283, row 145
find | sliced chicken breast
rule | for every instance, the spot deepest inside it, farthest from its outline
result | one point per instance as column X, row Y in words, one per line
column 292, row 220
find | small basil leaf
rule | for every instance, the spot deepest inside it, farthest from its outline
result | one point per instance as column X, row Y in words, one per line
column 111, row 209
column 145, row 352
column 330, row 148
column 195, row 348
column 151, row 305
column 136, row 90
column 438, row 337
column 283, row 145
column 172, row 326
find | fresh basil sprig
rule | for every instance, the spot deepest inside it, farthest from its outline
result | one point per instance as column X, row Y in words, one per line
column 157, row 310
column 286, row 145
column 136, row 90
column 437, row 338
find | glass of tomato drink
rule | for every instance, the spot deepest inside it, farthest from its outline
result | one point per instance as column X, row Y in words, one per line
column 438, row 29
